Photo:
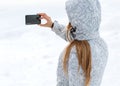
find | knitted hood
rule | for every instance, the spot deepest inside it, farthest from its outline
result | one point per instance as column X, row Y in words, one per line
column 85, row 16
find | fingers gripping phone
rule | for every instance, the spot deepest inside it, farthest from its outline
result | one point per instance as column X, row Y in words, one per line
column 32, row 19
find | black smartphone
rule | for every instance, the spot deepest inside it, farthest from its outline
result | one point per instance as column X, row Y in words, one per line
column 32, row 19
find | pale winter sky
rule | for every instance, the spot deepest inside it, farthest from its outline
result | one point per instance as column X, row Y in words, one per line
column 8, row 3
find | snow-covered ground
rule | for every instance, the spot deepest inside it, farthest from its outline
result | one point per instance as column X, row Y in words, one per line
column 29, row 54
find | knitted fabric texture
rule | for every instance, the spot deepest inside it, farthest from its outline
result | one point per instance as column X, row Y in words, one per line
column 85, row 16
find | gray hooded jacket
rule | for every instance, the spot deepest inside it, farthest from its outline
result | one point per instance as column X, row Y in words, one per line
column 85, row 16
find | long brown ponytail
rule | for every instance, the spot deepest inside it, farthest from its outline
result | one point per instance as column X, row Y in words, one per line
column 83, row 54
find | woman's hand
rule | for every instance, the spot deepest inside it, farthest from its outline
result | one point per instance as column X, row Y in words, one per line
column 47, row 18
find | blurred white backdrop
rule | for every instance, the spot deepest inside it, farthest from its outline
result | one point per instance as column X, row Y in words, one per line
column 29, row 54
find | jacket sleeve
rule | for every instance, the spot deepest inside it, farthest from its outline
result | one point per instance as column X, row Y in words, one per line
column 60, row 30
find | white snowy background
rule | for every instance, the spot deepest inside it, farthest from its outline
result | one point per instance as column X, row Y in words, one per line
column 29, row 53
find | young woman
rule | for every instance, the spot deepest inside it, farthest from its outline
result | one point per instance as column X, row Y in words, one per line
column 83, row 61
